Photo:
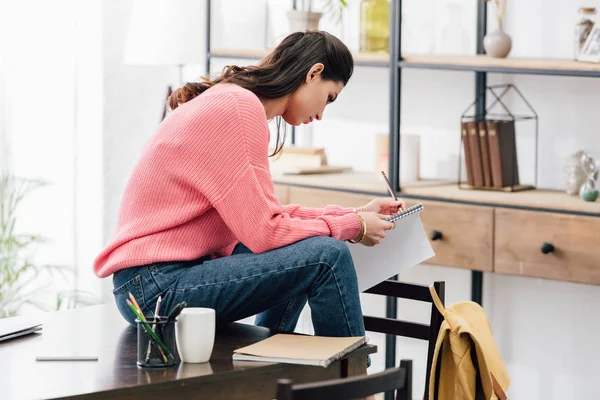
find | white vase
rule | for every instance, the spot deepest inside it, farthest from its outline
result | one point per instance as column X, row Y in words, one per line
column 301, row 21
column 497, row 43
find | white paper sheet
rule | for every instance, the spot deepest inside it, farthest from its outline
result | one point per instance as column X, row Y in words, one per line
column 404, row 247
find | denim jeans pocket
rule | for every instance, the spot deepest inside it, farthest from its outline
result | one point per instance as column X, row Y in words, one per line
column 165, row 275
column 121, row 293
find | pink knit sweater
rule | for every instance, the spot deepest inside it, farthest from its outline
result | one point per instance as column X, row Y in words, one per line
column 203, row 184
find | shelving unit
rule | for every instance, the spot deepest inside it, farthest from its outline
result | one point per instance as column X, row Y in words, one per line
column 481, row 65
column 475, row 63
column 360, row 59
column 437, row 190
column 538, row 200
column 510, row 65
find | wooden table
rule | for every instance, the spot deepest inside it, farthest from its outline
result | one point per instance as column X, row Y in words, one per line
column 101, row 331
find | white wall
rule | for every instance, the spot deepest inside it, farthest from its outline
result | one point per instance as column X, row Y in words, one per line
column 132, row 107
column 544, row 328
column 133, row 104
column 51, row 91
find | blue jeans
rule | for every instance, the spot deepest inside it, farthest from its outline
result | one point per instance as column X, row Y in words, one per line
column 275, row 285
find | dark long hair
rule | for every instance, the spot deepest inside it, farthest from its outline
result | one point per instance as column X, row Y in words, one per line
column 281, row 72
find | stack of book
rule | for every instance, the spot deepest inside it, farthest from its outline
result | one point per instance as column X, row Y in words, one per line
column 490, row 154
column 300, row 161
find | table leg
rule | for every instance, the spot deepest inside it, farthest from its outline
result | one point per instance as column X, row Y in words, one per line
column 353, row 367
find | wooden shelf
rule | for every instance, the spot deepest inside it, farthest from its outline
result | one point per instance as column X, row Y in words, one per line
column 364, row 182
column 551, row 200
column 364, row 59
column 482, row 63
column 356, row 182
column 512, row 65
column 372, row 183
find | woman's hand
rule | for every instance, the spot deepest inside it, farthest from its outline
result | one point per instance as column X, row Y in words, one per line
column 384, row 205
column 377, row 228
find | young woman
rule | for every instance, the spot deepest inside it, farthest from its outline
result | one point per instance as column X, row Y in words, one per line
column 199, row 221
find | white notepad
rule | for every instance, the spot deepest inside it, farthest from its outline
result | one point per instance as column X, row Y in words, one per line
column 404, row 247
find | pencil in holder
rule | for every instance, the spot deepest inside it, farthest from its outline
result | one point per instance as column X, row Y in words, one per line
column 156, row 346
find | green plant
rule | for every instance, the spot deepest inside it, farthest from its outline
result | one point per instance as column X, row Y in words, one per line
column 333, row 8
column 23, row 282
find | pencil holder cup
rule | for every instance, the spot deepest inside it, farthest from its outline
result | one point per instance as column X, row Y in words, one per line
column 156, row 346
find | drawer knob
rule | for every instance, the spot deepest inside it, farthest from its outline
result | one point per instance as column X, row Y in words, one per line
column 547, row 248
column 436, row 235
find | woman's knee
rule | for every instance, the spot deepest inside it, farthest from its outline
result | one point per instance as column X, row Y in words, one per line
column 328, row 249
column 334, row 255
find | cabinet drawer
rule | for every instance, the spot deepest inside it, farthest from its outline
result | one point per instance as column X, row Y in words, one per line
column 466, row 234
column 281, row 192
column 308, row 197
column 520, row 236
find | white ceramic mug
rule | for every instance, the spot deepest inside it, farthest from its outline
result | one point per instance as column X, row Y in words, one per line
column 195, row 334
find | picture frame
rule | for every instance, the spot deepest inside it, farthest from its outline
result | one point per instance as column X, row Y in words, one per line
column 591, row 48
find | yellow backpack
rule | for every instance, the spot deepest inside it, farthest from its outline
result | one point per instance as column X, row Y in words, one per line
column 468, row 351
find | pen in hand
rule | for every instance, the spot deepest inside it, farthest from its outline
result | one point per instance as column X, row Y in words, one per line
column 389, row 186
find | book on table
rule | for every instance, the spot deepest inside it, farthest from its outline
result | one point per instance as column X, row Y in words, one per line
column 14, row 327
column 300, row 349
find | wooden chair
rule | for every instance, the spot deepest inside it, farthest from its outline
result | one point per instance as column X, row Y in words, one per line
column 394, row 289
column 391, row 379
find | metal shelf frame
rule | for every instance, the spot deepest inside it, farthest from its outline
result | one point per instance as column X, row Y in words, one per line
column 396, row 65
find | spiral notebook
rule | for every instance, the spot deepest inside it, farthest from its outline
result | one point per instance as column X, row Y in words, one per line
column 405, row 213
column 404, row 247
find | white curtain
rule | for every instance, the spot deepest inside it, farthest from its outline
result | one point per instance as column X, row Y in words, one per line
column 50, row 126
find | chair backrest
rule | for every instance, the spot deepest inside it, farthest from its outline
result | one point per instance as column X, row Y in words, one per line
column 398, row 379
column 394, row 289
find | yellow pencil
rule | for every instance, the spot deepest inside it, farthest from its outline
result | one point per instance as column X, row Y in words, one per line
column 150, row 331
column 137, row 306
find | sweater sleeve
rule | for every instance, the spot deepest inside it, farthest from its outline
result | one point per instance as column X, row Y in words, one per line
column 244, row 195
column 254, row 215
column 296, row 211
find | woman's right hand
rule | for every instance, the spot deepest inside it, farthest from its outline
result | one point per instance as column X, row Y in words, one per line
column 377, row 227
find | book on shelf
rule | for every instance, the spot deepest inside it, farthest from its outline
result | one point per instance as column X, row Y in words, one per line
column 298, row 157
column 485, row 154
column 325, row 169
column 490, row 153
column 303, row 161
column 467, row 150
column 503, row 153
column 475, row 146
column 300, row 349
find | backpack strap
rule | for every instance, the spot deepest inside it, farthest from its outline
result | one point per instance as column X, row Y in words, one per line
column 437, row 301
column 497, row 388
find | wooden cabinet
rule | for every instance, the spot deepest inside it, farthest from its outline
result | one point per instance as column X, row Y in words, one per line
column 532, row 243
column 308, row 197
column 281, row 192
column 460, row 235
column 466, row 231
column 570, row 244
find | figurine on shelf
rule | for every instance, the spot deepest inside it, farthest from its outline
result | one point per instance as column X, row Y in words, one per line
column 588, row 191
column 574, row 173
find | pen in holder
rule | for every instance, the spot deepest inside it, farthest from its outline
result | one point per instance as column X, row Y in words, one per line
column 156, row 346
